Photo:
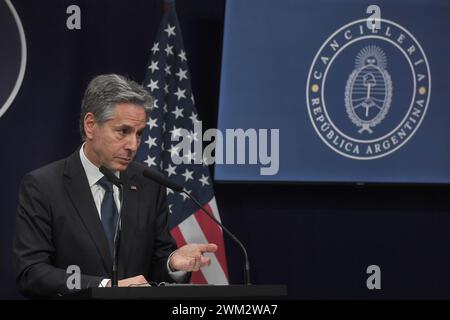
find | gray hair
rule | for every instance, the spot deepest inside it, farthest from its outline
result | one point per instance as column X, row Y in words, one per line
column 105, row 91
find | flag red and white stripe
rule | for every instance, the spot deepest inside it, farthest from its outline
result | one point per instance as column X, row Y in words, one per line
column 199, row 228
column 168, row 80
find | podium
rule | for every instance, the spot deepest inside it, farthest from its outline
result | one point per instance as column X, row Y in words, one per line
column 183, row 292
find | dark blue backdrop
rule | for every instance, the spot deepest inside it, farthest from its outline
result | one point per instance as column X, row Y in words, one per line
column 268, row 66
column 317, row 239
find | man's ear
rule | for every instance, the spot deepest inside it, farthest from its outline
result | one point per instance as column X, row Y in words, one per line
column 89, row 125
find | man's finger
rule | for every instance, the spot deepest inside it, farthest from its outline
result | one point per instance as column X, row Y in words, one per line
column 198, row 262
column 209, row 247
column 205, row 261
column 191, row 264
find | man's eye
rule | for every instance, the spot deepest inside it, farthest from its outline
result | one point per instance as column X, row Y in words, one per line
column 123, row 131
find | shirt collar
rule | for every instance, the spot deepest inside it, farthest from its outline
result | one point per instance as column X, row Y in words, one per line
column 92, row 172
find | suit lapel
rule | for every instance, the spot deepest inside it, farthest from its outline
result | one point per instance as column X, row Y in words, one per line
column 77, row 187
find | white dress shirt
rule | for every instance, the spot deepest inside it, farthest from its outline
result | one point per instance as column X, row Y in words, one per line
column 93, row 175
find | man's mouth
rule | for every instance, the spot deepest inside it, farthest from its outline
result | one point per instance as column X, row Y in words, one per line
column 124, row 160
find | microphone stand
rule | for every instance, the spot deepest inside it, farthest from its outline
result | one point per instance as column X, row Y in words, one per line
column 247, row 262
column 116, row 248
column 162, row 180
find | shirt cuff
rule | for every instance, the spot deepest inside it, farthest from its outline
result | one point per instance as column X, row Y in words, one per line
column 103, row 283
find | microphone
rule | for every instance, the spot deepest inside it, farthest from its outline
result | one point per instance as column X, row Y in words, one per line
column 119, row 184
column 111, row 177
column 161, row 179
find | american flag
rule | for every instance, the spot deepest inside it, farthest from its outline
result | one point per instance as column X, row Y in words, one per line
column 168, row 81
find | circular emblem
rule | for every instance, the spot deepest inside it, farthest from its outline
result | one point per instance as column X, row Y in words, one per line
column 368, row 90
column 12, row 56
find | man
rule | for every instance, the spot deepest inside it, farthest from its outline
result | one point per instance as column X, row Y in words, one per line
column 68, row 211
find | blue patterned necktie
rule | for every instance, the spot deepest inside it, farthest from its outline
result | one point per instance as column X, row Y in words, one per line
column 108, row 212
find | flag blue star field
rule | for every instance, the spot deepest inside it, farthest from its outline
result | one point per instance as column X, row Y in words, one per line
column 168, row 81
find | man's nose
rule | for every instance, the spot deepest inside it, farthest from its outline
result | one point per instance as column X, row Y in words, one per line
column 132, row 143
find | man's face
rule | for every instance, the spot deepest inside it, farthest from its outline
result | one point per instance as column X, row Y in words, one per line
column 114, row 143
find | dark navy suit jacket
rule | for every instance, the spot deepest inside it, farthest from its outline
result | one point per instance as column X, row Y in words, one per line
column 58, row 225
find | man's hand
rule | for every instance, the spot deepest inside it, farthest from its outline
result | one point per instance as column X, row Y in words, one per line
column 138, row 280
column 190, row 257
